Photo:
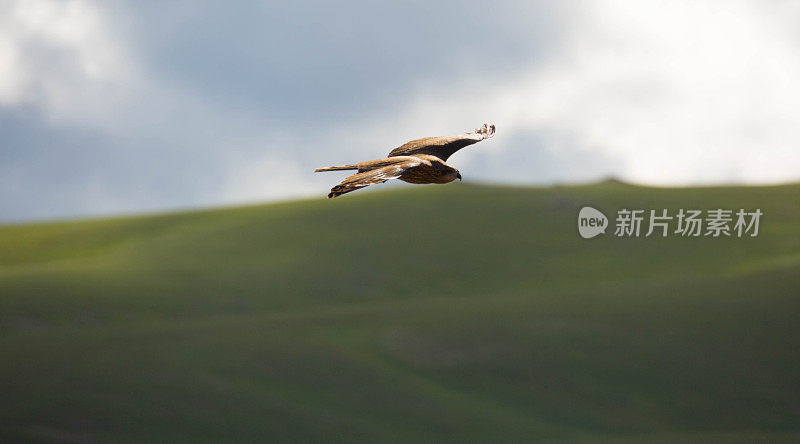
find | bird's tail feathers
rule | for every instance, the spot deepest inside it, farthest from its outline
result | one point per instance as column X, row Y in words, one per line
column 336, row 168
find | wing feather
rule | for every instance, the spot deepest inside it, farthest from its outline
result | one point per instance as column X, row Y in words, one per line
column 377, row 175
column 443, row 147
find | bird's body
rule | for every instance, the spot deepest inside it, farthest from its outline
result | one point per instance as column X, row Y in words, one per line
column 430, row 170
column 420, row 161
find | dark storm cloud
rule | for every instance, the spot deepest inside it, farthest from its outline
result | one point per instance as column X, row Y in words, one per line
column 44, row 170
column 51, row 170
column 305, row 63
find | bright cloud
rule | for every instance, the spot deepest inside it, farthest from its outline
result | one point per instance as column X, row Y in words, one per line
column 61, row 57
column 685, row 92
column 679, row 92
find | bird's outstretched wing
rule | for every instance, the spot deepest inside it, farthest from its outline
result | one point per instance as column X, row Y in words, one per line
column 377, row 175
column 443, row 147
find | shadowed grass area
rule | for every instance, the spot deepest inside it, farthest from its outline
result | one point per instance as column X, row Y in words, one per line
column 454, row 313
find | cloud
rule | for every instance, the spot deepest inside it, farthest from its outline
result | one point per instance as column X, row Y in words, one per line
column 686, row 92
column 270, row 179
column 60, row 57
column 199, row 104
column 87, row 128
column 130, row 106
column 681, row 92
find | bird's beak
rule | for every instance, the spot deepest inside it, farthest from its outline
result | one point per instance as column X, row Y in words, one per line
column 458, row 176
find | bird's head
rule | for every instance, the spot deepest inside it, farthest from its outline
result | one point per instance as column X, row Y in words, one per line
column 458, row 175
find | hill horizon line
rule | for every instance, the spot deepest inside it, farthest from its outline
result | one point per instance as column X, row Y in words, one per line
column 214, row 207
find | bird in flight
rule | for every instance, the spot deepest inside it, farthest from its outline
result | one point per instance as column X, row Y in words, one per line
column 418, row 161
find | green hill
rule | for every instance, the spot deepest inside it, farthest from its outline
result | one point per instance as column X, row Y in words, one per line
column 450, row 313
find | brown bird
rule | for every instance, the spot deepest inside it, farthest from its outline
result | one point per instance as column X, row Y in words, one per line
column 418, row 161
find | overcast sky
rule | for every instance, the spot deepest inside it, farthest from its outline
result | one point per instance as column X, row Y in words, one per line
column 124, row 106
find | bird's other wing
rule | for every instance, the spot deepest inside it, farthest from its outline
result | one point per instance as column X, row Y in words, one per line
column 443, row 147
column 377, row 175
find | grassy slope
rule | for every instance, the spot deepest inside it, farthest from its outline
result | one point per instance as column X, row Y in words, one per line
column 448, row 312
